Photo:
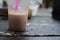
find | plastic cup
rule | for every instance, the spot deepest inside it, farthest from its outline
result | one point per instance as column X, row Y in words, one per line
column 18, row 18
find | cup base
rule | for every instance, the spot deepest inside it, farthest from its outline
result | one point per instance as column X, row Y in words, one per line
column 17, row 30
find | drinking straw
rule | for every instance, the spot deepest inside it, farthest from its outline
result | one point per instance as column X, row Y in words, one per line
column 17, row 4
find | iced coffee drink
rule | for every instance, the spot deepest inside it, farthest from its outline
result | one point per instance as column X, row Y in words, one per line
column 17, row 22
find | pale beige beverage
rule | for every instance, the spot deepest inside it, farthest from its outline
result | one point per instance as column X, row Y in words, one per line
column 17, row 22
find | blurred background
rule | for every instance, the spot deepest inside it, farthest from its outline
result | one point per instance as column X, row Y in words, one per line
column 37, row 7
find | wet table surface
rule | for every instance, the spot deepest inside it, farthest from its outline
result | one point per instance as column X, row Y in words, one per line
column 39, row 27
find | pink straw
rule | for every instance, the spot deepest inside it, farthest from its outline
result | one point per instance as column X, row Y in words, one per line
column 17, row 4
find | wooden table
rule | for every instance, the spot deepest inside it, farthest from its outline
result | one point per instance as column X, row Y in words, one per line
column 39, row 26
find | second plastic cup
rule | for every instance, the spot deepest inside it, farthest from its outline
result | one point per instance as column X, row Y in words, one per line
column 18, row 18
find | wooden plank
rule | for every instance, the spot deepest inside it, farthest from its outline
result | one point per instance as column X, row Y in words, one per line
column 38, row 26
